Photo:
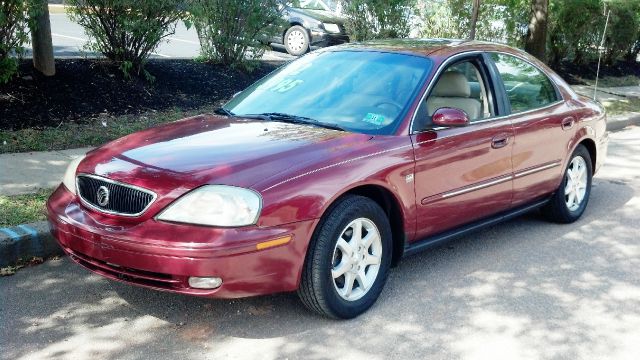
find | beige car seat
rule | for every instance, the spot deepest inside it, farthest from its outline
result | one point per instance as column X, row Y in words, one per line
column 453, row 90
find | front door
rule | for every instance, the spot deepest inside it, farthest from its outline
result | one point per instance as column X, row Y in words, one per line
column 462, row 174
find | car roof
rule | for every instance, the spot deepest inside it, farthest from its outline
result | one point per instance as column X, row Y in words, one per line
column 426, row 47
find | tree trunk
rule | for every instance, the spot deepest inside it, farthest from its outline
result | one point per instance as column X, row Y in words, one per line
column 536, row 39
column 474, row 19
column 41, row 41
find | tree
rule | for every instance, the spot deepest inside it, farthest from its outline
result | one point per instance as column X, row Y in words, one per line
column 474, row 19
column 41, row 42
column 536, row 38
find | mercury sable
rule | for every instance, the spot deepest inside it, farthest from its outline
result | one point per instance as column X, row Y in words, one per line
column 321, row 176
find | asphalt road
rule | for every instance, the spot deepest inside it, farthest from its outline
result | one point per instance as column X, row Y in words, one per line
column 69, row 39
column 525, row 289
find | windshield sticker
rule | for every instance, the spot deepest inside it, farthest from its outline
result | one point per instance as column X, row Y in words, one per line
column 375, row 119
column 286, row 85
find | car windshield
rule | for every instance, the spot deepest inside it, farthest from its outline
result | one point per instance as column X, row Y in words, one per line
column 360, row 91
column 313, row 5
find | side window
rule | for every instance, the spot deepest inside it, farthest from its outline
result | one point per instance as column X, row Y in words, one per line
column 527, row 87
column 460, row 86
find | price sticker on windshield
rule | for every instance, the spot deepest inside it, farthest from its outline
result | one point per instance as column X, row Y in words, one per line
column 286, row 85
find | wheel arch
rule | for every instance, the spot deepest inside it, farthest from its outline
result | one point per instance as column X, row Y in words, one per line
column 292, row 23
column 389, row 203
column 585, row 136
column 591, row 147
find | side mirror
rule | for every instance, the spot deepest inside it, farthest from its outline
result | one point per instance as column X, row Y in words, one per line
column 450, row 117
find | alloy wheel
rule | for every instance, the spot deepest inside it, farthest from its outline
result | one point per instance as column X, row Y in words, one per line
column 356, row 259
column 576, row 185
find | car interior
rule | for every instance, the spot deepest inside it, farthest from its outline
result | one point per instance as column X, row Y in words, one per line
column 460, row 86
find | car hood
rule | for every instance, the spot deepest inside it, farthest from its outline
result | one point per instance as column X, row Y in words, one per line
column 209, row 149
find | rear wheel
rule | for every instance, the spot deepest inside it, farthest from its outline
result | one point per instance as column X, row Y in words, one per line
column 296, row 40
column 571, row 198
column 348, row 259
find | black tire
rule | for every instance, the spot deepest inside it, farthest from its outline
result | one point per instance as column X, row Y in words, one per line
column 317, row 289
column 293, row 48
column 556, row 209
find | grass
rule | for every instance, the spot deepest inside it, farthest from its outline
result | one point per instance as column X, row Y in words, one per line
column 87, row 132
column 622, row 106
column 22, row 209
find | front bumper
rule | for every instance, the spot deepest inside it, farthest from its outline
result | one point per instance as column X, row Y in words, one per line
column 323, row 39
column 163, row 256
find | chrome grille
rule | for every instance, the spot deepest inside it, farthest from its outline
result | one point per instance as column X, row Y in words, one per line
column 121, row 199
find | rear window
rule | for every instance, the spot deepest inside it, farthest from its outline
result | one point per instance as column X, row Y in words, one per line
column 527, row 87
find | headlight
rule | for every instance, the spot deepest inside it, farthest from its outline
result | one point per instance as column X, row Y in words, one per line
column 69, row 179
column 332, row 28
column 215, row 205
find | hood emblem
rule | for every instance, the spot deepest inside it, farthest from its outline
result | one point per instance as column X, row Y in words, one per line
column 102, row 196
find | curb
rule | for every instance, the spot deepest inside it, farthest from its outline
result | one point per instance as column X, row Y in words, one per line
column 23, row 242
column 620, row 122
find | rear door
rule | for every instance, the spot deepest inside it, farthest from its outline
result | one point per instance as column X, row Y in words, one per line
column 462, row 174
column 542, row 125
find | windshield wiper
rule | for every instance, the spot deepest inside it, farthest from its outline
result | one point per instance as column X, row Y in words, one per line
column 223, row 111
column 294, row 119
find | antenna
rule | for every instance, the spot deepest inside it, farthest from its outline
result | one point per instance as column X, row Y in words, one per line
column 600, row 49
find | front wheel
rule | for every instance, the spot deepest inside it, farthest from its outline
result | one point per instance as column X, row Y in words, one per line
column 296, row 40
column 571, row 198
column 348, row 259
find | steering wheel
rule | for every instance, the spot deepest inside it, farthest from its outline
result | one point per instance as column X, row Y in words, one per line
column 382, row 104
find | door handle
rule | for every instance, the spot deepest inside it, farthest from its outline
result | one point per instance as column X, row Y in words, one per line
column 567, row 123
column 500, row 141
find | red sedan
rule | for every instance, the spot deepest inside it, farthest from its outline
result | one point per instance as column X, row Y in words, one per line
column 325, row 173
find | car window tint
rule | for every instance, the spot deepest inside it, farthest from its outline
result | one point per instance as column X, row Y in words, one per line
column 527, row 87
column 362, row 91
column 460, row 86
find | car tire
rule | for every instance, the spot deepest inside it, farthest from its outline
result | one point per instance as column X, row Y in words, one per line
column 296, row 40
column 570, row 200
column 322, row 289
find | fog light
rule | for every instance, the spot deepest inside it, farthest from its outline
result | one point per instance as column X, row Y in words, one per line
column 205, row 282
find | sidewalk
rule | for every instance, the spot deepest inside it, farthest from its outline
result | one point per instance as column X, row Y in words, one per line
column 608, row 93
column 24, row 173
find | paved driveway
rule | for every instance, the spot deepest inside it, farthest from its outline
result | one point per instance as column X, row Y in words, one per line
column 521, row 290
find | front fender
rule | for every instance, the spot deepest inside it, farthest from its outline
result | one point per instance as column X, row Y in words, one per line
column 307, row 193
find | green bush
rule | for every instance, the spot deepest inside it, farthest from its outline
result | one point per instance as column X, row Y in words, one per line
column 15, row 18
column 378, row 19
column 624, row 29
column 577, row 38
column 232, row 32
column 126, row 31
